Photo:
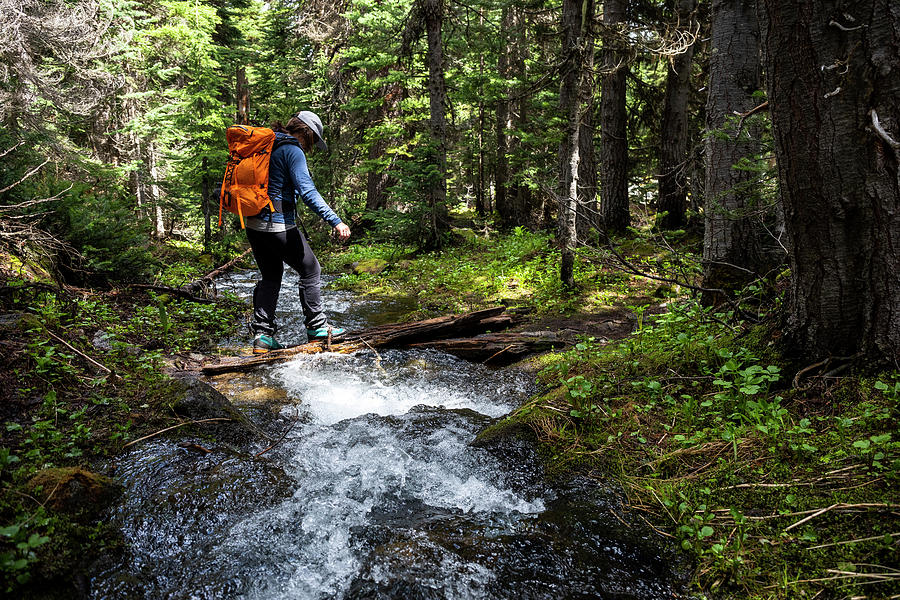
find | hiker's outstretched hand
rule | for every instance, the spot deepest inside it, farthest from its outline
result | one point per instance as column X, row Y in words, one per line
column 342, row 231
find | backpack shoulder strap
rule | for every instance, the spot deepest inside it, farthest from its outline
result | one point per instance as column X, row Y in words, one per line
column 280, row 141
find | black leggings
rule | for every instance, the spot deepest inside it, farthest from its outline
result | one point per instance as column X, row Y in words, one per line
column 272, row 251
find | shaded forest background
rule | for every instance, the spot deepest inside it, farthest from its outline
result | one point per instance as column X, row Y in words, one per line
column 593, row 120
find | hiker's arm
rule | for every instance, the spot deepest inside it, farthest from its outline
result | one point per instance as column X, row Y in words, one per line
column 304, row 185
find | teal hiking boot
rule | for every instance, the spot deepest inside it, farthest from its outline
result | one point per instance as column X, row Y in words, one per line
column 322, row 332
column 262, row 343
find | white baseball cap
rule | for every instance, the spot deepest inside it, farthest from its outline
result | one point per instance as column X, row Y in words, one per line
column 312, row 120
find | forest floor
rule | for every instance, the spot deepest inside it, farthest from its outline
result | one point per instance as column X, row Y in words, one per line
column 780, row 480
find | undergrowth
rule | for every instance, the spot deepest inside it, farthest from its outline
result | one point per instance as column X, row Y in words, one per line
column 780, row 488
column 519, row 269
column 82, row 374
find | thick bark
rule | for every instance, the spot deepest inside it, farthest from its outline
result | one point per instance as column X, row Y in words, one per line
column 433, row 12
column 614, row 207
column 834, row 94
column 206, row 205
column 497, row 348
column 588, row 214
column 675, row 136
column 732, row 251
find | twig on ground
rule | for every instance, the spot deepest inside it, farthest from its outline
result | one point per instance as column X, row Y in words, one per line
column 283, row 435
column 496, row 354
column 839, row 506
column 865, row 539
column 103, row 368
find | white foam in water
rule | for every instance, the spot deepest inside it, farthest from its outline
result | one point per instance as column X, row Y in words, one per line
column 345, row 472
column 335, row 387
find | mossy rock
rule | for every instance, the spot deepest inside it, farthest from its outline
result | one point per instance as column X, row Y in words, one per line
column 206, row 260
column 35, row 267
column 510, row 430
column 464, row 235
column 19, row 322
column 73, row 490
column 370, row 266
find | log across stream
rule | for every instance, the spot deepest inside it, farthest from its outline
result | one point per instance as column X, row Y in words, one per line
column 473, row 336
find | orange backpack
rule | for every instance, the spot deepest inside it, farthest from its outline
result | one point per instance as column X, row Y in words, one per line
column 245, row 188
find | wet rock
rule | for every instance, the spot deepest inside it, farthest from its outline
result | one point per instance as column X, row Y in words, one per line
column 262, row 394
column 417, row 363
column 74, row 490
column 197, row 400
column 370, row 266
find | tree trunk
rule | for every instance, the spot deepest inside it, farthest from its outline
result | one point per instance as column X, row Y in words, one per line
column 481, row 201
column 613, row 125
column 732, row 253
column 674, row 136
column 437, row 94
column 502, row 202
column 207, row 205
column 380, row 180
column 588, row 215
column 575, row 24
column 835, row 104
column 159, row 227
column 377, row 181
column 242, row 97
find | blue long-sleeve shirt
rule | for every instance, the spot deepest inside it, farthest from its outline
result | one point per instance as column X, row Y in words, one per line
column 289, row 177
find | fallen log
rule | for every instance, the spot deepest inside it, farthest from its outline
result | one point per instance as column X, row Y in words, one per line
column 384, row 336
column 205, row 284
column 496, row 348
column 165, row 289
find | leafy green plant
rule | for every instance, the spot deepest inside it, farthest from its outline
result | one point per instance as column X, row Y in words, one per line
column 16, row 561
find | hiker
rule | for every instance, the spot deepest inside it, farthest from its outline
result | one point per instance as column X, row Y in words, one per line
column 275, row 238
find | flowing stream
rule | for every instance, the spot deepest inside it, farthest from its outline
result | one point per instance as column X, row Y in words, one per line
column 375, row 491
